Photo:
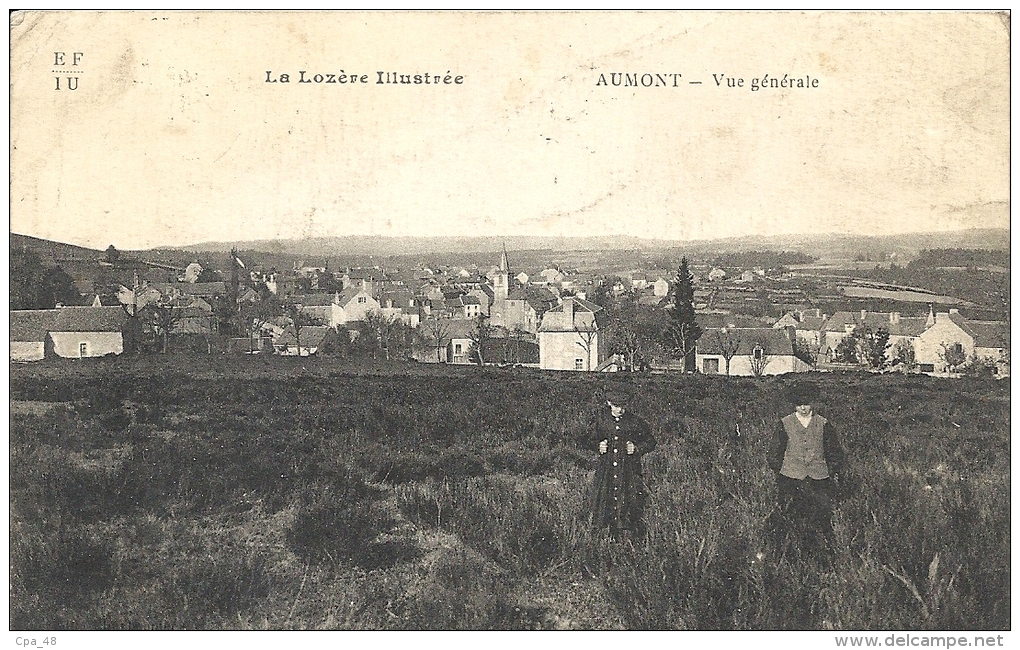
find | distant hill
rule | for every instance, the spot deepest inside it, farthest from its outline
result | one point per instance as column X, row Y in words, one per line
column 53, row 253
column 396, row 246
column 838, row 246
column 823, row 245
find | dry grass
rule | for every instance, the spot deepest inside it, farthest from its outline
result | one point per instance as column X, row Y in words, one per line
column 247, row 496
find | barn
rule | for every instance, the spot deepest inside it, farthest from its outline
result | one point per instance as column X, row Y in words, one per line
column 67, row 332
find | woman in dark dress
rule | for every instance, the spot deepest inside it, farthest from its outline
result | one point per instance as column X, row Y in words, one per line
column 621, row 439
column 809, row 464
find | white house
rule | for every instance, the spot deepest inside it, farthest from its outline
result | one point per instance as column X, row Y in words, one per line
column 324, row 307
column 570, row 337
column 356, row 302
column 843, row 323
column 69, row 332
column 981, row 339
column 752, row 351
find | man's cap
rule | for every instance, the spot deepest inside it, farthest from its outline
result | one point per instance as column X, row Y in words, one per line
column 618, row 394
column 799, row 394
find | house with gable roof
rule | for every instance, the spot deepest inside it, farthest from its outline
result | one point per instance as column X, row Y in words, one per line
column 571, row 336
column 754, row 351
column 324, row 307
column 980, row 339
column 843, row 323
column 68, row 332
column 356, row 303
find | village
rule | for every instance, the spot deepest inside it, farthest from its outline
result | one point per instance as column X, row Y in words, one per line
column 553, row 318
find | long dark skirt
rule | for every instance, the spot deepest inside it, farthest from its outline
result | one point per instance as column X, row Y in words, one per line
column 618, row 497
column 804, row 513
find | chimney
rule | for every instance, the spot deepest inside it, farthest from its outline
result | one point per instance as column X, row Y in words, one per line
column 568, row 311
column 894, row 317
column 864, row 314
column 954, row 311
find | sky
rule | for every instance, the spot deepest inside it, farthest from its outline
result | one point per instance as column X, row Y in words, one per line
column 173, row 135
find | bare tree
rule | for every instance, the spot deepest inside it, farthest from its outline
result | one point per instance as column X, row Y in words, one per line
column 589, row 335
column 680, row 338
column 729, row 343
column 479, row 334
column 256, row 314
column 438, row 329
column 759, row 357
column 164, row 317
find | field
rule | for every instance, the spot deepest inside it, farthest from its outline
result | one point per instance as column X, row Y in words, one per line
column 274, row 493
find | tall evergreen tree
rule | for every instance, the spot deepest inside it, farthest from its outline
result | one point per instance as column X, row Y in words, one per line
column 683, row 331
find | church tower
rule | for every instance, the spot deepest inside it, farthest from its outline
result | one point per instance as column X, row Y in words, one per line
column 501, row 288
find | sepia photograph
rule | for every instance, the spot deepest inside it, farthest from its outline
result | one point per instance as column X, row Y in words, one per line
column 687, row 321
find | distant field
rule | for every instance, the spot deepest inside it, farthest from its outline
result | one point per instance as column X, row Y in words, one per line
column 247, row 493
column 839, row 265
column 903, row 296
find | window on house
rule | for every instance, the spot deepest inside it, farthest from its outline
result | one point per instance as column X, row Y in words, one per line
column 362, row 299
column 578, row 364
column 711, row 367
column 83, row 349
column 457, row 348
column 927, row 367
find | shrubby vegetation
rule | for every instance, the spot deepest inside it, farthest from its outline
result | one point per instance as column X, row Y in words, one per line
column 35, row 285
column 273, row 493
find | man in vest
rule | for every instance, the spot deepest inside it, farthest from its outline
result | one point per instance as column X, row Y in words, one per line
column 808, row 460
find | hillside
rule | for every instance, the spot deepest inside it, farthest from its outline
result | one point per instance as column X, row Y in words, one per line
column 53, row 253
column 825, row 245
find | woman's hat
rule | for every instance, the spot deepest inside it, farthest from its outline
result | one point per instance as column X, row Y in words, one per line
column 618, row 394
column 799, row 394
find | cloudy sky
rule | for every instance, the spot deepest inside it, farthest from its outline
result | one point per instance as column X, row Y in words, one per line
column 173, row 135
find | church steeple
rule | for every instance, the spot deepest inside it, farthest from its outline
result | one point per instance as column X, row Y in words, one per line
column 501, row 288
column 504, row 265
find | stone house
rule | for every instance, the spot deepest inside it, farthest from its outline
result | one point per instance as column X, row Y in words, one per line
column 571, row 337
column 756, row 351
column 68, row 332
column 981, row 339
